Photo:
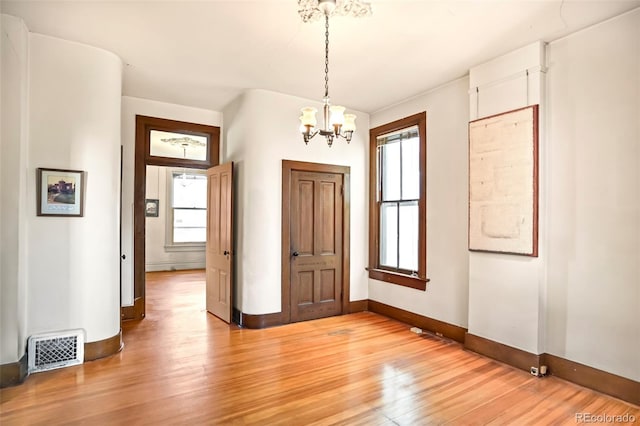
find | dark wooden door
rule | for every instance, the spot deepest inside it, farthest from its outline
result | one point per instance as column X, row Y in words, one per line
column 316, row 260
column 219, row 258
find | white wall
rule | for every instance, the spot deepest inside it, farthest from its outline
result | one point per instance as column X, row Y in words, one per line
column 447, row 180
column 262, row 129
column 130, row 108
column 506, row 291
column 579, row 299
column 13, row 176
column 157, row 257
column 594, row 196
column 74, row 123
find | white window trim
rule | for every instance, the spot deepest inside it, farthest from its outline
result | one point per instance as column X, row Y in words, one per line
column 169, row 245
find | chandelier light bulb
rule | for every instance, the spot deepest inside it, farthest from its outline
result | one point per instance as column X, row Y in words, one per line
column 337, row 115
column 349, row 123
column 308, row 117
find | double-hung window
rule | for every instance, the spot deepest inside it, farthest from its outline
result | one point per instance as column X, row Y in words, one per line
column 397, row 252
column 187, row 221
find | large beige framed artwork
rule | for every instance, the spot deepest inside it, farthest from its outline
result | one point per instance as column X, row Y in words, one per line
column 503, row 183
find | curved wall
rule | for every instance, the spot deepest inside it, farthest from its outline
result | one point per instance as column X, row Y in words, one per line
column 13, row 165
column 74, row 123
column 258, row 149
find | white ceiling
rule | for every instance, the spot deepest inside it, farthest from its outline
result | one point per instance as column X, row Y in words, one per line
column 205, row 53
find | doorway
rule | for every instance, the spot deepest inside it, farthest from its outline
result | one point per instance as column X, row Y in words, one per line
column 176, row 219
column 171, row 143
column 315, row 240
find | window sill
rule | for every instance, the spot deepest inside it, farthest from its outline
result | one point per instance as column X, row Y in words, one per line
column 399, row 279
column 185, row 247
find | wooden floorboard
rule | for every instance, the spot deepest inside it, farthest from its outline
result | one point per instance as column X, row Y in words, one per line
column 182, row 365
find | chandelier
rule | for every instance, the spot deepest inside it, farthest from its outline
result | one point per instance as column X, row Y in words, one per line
column 336, row 123
column 185, row 142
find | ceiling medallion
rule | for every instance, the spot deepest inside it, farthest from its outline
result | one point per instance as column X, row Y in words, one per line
column 185, row 142
column 310, row 10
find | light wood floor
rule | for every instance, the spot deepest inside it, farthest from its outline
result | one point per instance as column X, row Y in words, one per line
column 183, row 366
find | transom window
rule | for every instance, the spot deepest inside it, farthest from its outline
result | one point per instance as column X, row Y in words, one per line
column 398, row 202
column 188, row 209
column 188, row 146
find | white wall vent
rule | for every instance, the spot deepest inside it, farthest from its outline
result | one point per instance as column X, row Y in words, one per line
column 55, row 350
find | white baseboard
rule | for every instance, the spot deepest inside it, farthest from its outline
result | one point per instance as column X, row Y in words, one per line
column 156, row 267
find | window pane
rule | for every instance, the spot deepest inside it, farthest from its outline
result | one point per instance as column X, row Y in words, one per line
column 389, row 235
column 189, row 190
column 178, row 145
column 390, row 164
column 411, row 169
column 408, row 236
column 189, row 226
column 189, row 235
column 189, row 218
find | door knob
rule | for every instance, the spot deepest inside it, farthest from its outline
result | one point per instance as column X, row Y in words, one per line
column 124, row 256
column 226, row 253
column 295, row 254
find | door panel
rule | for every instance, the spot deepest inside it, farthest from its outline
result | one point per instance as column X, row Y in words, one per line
column 220, row 241
column 305, row 287
column 327, row 285
column 223, row 287
column 225, row 213
column 214, row 204
column 327, row 210
column 316, row 245
column 305, row 224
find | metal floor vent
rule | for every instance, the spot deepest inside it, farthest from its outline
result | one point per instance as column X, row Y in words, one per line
column 55, row 350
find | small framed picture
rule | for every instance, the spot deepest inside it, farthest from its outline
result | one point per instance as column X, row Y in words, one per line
column 151, row 207
column 60, row 192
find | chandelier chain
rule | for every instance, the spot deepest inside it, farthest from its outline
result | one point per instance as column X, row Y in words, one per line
column 337, row 124
column 326, row 57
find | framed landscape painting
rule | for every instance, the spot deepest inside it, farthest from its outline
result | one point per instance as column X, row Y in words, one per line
column 60, row 192
column 151, row 207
